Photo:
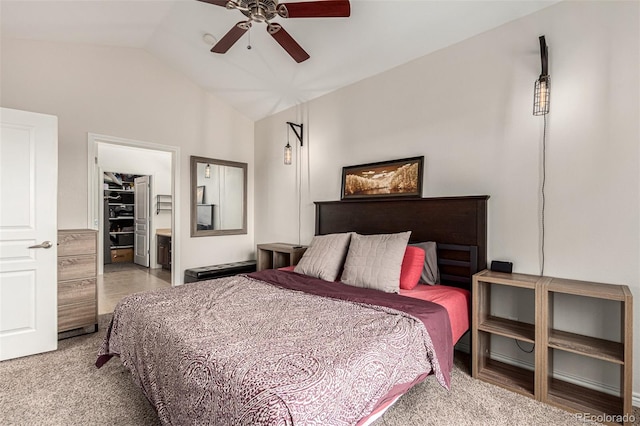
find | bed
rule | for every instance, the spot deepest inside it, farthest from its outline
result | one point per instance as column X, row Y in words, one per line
column 280, row 347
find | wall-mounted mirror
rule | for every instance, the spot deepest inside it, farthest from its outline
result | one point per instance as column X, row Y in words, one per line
column 218, row 197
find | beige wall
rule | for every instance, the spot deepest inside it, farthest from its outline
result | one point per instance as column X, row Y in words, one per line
column 129, row 94
column 468, row 110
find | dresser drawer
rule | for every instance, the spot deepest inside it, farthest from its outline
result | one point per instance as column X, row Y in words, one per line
column 76, row 316
column 76, row 291
column 76, row 243
column 76, row 267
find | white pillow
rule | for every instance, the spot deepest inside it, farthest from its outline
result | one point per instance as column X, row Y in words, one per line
column 374, row 261
column 325, row 256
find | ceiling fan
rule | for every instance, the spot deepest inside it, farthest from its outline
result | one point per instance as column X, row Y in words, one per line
column 265, row 10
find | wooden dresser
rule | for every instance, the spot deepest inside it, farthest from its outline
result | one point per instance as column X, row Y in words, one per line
column 77, row 289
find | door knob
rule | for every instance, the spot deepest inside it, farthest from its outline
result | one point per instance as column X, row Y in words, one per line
column 44, row 244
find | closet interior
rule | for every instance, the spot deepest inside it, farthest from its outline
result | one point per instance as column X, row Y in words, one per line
column 119, row 217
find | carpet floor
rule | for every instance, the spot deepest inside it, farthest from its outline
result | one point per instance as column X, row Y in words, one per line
column 64, row 387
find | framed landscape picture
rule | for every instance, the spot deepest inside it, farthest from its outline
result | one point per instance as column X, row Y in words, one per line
column 395, row 178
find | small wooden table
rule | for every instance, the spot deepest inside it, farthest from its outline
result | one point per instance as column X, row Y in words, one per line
column 279, row 255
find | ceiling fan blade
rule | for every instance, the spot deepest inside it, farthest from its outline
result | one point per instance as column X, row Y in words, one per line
column 222, row 3
column 287, row 42
column 231, row 37
column 315, row 9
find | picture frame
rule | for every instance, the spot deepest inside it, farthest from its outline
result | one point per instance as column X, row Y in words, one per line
column 384, row 179
column 200, row 195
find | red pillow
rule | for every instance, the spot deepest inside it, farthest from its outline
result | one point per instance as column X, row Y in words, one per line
column 411, row 269
column 287, row 268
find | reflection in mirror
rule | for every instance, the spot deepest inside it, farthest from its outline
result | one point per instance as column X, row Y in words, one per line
column 218, row 197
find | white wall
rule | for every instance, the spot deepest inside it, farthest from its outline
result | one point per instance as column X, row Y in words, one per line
column 468, row 110
column 127, row 93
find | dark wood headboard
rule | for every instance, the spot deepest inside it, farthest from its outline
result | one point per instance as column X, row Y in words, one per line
column 457, row 224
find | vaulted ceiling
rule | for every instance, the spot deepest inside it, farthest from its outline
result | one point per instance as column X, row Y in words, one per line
column 379, row 35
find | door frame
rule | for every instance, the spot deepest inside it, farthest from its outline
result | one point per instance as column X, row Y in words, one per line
column 94, row 196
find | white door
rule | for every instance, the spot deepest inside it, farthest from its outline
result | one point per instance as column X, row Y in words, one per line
column 141, row 222
column 28, row 234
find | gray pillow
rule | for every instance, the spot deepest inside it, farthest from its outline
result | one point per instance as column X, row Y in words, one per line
column 430, row 272
column 325, row 256
column 374, row 261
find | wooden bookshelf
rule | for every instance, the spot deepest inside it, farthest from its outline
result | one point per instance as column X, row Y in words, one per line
column 541, row 383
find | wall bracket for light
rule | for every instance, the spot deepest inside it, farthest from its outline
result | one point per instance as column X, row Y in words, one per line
column 297, row 129
column 541, row 89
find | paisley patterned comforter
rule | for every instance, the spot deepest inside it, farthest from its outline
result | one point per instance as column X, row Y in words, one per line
column 276, row 348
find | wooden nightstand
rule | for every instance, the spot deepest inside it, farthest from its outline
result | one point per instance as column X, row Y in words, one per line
column 279, row 255
column 549, row 339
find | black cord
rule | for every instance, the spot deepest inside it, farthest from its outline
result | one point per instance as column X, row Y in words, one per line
column 299, row 172
column 544, row 178
column 520, row 347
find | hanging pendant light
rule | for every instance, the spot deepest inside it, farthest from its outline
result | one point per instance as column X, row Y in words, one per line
column 287, row 154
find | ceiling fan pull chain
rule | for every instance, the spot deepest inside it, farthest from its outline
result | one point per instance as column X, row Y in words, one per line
column 249, row 45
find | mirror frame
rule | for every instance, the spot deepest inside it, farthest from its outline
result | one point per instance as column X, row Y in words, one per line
column 195, row 232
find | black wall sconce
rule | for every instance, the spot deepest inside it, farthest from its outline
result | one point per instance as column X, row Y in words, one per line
column 541, row 89
column 297, row 129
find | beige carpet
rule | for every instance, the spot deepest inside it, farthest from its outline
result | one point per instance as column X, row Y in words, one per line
column 65, row 388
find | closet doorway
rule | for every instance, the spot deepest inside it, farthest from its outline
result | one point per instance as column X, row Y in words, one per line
column 132, row 192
